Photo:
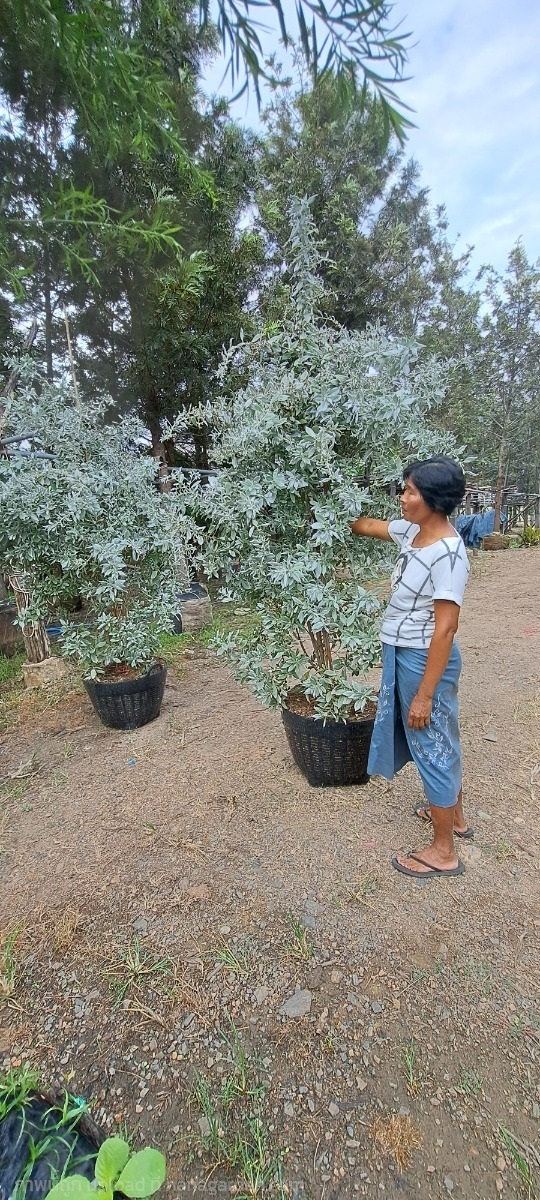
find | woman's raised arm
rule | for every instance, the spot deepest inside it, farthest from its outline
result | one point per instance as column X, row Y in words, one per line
column 369, row 527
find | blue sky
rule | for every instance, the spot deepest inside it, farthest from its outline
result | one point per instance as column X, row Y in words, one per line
column 475, row 89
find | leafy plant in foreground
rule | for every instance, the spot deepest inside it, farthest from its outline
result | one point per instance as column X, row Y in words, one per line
column 117, row 1170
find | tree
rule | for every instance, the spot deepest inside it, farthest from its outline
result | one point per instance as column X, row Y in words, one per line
column 389, row 258
column 176, row 319
column 507, row 372
column 84, row 200
column 355, row 41
column 321, row 428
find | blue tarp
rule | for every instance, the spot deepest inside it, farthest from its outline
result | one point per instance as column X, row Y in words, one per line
column 475, row 526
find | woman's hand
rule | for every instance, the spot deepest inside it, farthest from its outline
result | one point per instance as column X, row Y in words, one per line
column 419, row 712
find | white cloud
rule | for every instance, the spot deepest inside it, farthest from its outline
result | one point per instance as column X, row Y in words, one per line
column 476, row 92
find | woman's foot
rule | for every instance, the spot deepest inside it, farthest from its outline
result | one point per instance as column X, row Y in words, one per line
column 419, row 866
column 461, row 829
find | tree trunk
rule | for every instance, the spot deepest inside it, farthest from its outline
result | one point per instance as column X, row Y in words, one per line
column 48, row 314
column 36, row 642
column 500, row 482
column 159, row 449
column 200, row 440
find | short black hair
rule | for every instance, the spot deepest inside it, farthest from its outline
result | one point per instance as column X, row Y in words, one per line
column 439, row 480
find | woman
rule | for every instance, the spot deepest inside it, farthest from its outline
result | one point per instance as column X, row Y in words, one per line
column 417, row 713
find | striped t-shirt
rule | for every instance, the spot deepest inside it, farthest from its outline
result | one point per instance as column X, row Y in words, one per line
column 420, row 576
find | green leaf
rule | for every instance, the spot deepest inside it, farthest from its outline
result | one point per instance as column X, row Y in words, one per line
column 143, row 1175
column 111, row 1160
column 75, row 1188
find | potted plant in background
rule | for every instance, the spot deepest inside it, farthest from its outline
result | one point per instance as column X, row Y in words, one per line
column 323, row 411
column 82, row 514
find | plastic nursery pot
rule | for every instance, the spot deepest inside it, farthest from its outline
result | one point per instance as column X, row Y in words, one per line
column 129, row 703
column 329, row 753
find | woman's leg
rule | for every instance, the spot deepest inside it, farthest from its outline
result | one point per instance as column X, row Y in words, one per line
column 460, row 821
column 440, row 853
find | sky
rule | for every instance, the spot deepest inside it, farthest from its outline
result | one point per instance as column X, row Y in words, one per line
column 475, row 91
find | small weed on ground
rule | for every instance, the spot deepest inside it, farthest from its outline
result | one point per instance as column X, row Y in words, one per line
column 236, row 958
column 11, row 669
column 9, row 965
column 138, row 969
column 300, row 945
column 233, row 1135
column 521, row 1156
column 410, row 1055
column 469, row 1082
column 503, row 850
column 15, row 792
column 363, row 889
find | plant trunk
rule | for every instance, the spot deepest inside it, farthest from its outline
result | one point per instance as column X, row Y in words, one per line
column 48, row 315
column 36, row 642
column 159, row 450
column 499, row 484
column 322, row 649
column 201, row 449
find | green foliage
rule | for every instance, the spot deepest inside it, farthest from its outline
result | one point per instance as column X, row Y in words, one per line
column 344, row 39
column 117, row 1170
column 389, row 258
column 55, row 1141
column 322, row 427
column 15, row 1088
column 86, row 517
column 10, row 668
column 530, row 536
column 505, row 407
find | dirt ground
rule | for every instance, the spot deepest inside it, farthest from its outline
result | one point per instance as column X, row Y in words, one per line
column 176, row 886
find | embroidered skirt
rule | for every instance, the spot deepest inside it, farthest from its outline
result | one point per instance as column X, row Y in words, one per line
column 435, row 750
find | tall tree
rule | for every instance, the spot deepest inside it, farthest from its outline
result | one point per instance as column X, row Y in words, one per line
column 507, row 373
column 389, row 258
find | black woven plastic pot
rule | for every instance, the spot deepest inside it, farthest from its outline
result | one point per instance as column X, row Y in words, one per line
column 129, row 703
column 331, row 753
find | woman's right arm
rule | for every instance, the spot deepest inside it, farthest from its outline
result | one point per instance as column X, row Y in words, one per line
column 369, row 527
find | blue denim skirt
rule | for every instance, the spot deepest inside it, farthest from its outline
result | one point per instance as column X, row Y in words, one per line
column 435, row 750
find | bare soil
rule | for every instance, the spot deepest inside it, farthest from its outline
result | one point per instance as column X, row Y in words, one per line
column 179, row 882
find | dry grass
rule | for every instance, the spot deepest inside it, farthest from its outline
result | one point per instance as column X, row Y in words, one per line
column 527, row 711
column 66, row 929
column 22, row 705
column 396, row 1137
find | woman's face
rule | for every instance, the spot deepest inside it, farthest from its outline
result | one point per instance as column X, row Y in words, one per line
column 413, row 505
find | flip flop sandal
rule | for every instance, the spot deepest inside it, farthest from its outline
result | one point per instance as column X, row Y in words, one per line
column 466, row 834
column 433, row 873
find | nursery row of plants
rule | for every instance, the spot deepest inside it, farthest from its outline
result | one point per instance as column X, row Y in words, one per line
column 319, row 432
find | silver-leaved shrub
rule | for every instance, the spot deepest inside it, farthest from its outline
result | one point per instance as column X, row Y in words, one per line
column 81, row 515
column 322, row 410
